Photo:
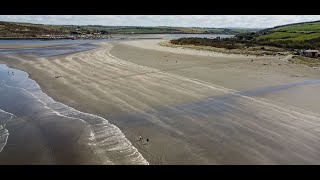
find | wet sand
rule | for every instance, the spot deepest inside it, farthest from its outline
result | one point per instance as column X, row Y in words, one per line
column 34, row 129
column 195, row 108
column 232, row 71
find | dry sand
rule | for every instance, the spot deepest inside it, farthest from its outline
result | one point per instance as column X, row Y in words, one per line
column 228, row 70
column 189, row 103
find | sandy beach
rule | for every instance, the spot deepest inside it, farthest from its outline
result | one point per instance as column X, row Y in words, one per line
column 196, row 107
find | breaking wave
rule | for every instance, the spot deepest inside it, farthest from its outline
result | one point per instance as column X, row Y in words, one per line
column 5, row 117
column 107, row 140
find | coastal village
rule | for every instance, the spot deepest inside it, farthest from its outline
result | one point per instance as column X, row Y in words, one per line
column 81, row 36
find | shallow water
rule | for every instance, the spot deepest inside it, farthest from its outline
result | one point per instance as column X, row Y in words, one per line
column 81, row 41
column 62, row 41
column 51, row 50
column 21, row 97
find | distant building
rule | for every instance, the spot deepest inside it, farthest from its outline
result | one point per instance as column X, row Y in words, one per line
column 311, row 53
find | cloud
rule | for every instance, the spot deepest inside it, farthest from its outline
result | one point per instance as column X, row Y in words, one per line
column 248, row 21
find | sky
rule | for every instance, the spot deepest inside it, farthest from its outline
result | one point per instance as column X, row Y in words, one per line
column 218, row 21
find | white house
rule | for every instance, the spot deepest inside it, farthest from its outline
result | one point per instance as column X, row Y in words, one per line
column 311, row 53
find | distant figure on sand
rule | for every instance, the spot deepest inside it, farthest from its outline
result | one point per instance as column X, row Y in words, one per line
column 147, row 140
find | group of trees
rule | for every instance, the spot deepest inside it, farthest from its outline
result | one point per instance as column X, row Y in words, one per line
column 228, row 43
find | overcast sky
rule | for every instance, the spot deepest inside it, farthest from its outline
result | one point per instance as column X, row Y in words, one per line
column 220, row 21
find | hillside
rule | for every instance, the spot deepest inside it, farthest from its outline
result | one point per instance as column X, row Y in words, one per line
column 24, row 30
column 292, row 36
column 16, row 30
column 271, row 41
column 299, row 36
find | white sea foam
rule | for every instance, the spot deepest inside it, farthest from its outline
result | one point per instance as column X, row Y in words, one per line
column 5, row 117
column 4, row 134
column 109, row 143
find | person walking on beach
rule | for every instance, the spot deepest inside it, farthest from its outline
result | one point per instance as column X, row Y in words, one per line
column 147, row 140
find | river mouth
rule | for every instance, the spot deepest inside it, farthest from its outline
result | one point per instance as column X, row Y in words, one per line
column 33, row 125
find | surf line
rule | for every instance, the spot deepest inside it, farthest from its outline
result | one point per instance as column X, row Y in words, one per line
column 140, row 159
column 3, row 131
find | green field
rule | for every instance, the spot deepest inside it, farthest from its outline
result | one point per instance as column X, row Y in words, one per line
column 304, row 27
column 295, row 35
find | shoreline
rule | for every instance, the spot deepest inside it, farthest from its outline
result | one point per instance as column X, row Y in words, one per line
column 139, row 89
column 124, row 34
column 85, row 133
